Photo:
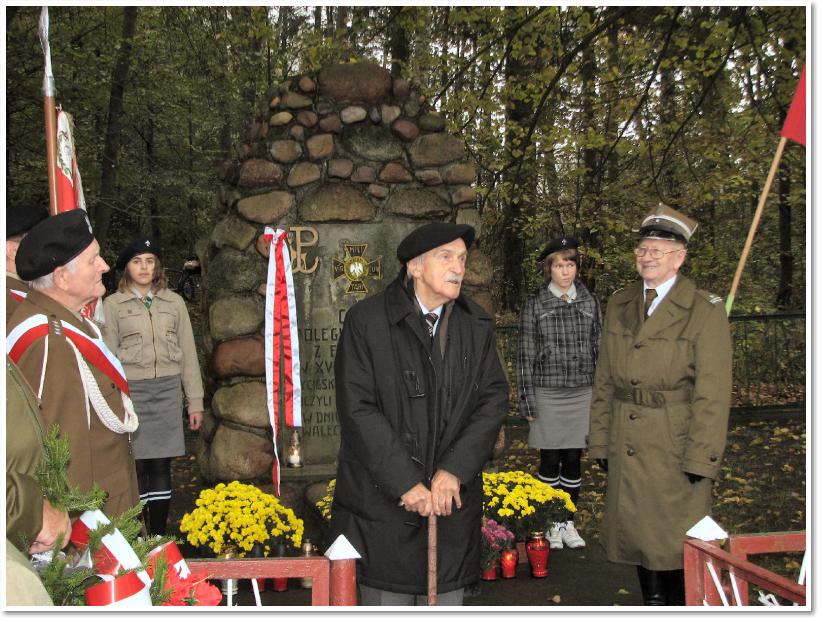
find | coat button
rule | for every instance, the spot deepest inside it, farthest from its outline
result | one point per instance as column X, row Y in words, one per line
column 632, row 416
column 714, row 458
column 634, row 382
column 631, row 452
column 637, row 346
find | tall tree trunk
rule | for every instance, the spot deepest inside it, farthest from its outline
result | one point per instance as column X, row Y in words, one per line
column 108, row 177
column 151, row 169
column 519, row 111
column 784, row 293
column 397, row 41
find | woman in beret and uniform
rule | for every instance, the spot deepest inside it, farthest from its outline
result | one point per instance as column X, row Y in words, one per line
column 147, row 326
column 560, row 327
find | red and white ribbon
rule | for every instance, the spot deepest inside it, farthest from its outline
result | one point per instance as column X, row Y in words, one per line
column 17, row 294
column 128, row 591
column 174, row 558
column 115, row 554
column 281, row 340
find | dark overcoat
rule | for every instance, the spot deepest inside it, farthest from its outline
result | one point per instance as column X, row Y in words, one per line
column 397, row 429
column 660, row 408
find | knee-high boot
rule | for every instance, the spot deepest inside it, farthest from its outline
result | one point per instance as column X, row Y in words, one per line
column 651, row 584
column 674, row 582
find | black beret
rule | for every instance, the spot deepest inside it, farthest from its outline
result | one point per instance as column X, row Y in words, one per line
column 20, row 217
column 52, row 243
column 432, row 235
column 560, row 244
column 137, row 247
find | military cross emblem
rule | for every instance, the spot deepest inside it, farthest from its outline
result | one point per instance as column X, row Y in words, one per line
column 356, row 268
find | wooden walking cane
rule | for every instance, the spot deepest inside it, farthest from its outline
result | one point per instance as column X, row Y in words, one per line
column 432, row 560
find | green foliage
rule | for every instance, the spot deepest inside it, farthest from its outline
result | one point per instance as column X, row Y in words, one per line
column 67, row 588
column 128, row 523
column 52, row 476
column 579, row 118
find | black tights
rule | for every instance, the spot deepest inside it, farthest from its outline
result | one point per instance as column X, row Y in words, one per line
column 562, row 468
column 154, row 480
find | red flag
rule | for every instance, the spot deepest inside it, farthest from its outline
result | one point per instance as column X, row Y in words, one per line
column 69, row 185
column 794, row 127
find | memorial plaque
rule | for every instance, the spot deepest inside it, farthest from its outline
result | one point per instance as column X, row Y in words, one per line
column 334, row 266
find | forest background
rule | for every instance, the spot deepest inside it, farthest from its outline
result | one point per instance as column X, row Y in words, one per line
column 580, row 118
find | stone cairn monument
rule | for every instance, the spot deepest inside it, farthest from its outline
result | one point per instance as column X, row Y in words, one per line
column 348, row 161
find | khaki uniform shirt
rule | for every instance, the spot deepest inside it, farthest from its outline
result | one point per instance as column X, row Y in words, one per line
column 156, row 342
column 97, row 454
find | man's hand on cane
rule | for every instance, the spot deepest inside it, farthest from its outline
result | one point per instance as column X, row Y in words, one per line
column 418, row 500
column 445, row 491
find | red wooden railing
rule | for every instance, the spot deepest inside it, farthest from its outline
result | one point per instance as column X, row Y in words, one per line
column 700, row 587
column 333, row 582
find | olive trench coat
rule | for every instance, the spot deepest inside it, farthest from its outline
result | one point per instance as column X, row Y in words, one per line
column 399, row 425
column 97, row 454
column 660, row 408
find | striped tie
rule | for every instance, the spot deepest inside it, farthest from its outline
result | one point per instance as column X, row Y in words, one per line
column 430, row 321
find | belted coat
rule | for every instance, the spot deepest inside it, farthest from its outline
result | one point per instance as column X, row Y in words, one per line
column 660, row 406
column 405, row 412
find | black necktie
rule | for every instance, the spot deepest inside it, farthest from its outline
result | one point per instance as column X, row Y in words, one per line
column 430, row 321
column 650, row 296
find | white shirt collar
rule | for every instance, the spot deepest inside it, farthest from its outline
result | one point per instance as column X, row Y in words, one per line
column 426, row 310
column 661, row 291
column 571, row 293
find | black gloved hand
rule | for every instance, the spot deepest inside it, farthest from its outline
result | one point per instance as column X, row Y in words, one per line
column 693, row 477
column 602, row 463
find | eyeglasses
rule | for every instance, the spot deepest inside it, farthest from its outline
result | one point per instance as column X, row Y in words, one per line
column 655, row 253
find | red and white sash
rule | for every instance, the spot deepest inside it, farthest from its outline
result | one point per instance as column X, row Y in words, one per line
column 94, row 350
column 281, row 334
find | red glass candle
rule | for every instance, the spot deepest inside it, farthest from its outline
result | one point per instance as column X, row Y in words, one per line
column 538, row 551
column 508, row 559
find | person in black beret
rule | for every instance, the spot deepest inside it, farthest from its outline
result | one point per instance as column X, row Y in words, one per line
column 63, row 357
column 421, row 396
column 660, row 406
column 560, row 328
column 20, row 217
column 160, row 360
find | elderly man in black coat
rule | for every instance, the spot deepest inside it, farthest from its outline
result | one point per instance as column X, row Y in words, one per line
column 421, row 396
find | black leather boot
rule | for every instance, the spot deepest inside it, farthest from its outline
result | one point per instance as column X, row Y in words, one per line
column 674, row 582
column 651, row 584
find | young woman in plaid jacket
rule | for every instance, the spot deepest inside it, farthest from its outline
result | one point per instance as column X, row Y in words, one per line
column 560, row 327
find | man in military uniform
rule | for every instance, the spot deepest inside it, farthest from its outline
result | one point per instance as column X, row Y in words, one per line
column 659, row 414
column 80, row 383
column 20, row 218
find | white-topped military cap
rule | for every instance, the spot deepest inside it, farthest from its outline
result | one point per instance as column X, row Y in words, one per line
column 666, row 223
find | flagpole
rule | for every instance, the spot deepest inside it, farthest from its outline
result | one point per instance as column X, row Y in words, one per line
column 49, row 111
column 763, row 197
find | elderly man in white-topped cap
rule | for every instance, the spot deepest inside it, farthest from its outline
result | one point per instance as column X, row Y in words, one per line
column 659, row 413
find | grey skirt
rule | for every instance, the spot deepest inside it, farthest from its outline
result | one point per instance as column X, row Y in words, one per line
column 158, row 403
column 562, row 418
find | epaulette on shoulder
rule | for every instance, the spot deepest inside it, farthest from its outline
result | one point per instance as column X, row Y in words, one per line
column 711, row 298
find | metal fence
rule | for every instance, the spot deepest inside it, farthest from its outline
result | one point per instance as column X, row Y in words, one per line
column 769, row 361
